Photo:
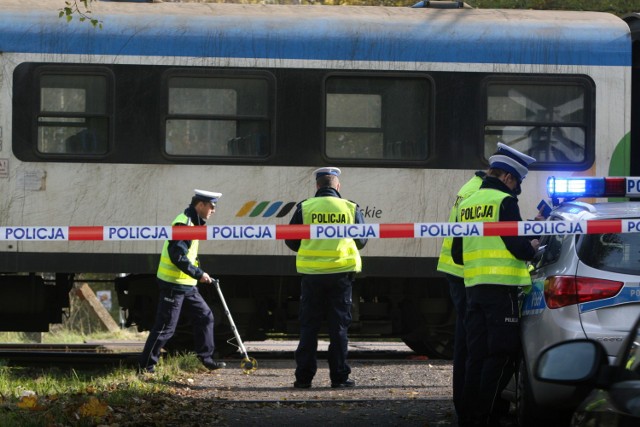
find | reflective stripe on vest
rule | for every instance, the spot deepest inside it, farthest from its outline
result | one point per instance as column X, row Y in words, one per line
column 326, row 256
column 445, row 262
column 486, row 259
column 167, row 270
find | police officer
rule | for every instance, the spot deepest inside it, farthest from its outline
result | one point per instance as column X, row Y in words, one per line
column 455, row 277
column 328, row 267
column 178, row 274
column 494, row 271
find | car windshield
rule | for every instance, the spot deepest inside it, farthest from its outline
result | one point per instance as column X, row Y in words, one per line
column 614, row 252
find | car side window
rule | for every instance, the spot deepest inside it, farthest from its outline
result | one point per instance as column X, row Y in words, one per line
column 550, row 252
column 611, row 252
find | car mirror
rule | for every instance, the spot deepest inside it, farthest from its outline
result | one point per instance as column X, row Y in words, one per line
column 571, row 362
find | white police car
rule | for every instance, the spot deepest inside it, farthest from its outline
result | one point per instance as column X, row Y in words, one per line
column 584, row 286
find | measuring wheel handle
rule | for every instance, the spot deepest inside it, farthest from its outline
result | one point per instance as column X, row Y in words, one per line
column 248, row 364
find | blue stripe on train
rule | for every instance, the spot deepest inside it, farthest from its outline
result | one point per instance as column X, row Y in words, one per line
column 319, row 38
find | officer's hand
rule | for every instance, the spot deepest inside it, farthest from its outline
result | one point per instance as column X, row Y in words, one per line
column 535, row 243
column 205, row 278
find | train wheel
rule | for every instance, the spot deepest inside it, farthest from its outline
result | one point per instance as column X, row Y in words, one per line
column 431, row 342
column 425, row 333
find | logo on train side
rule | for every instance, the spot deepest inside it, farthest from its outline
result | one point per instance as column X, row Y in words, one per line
column 266, row 209
column 279, row 209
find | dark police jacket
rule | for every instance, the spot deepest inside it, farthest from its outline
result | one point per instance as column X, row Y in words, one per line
column 519, row 246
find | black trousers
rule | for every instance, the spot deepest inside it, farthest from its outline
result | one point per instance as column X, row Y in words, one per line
column 492, row 323
column 324, row 296
column 170, row 304
column 459, row 298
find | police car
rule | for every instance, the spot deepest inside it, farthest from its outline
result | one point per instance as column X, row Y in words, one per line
column 611, row 390
column 586, row 284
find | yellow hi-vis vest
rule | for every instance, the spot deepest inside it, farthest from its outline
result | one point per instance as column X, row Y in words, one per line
column 486, row 259
column 167, row 270
column 326, row 256
column 445, row 262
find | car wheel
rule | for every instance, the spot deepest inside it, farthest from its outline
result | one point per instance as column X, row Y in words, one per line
column 526, row 409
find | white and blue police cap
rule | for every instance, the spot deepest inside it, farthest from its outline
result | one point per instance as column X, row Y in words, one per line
column 207, row 196
column 511, row 160
column 326, row 171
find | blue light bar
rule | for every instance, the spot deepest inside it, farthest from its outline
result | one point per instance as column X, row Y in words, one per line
column 593, row 187
column 575, row 187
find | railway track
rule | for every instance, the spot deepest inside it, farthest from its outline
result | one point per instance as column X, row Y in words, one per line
column 88, row 355
column 126, row 353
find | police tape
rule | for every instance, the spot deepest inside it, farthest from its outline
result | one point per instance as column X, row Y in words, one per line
column 319, row 231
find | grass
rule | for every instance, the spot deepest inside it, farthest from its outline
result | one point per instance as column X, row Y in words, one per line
column 59, row 335
column 83, row 397
column 63, row 397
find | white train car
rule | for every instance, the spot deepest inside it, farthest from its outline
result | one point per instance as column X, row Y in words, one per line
column 117, row 125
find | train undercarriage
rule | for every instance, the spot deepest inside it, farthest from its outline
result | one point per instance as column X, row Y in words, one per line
column 417, row 310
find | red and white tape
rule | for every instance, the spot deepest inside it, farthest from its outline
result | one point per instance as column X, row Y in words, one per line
column 318, row 231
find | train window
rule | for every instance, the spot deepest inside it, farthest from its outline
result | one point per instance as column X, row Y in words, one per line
column 73, row 116
column 547, row 121
column 217, row 117
column 382, row 118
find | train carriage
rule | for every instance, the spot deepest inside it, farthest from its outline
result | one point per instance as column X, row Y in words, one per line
column 117, row 125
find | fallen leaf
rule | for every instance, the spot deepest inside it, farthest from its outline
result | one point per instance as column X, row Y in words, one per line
column 28, row 402
column 93, row 408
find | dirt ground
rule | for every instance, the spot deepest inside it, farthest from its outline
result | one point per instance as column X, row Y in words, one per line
column 409, row 392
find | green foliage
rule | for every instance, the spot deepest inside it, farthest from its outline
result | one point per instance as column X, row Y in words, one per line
column 72, row 7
